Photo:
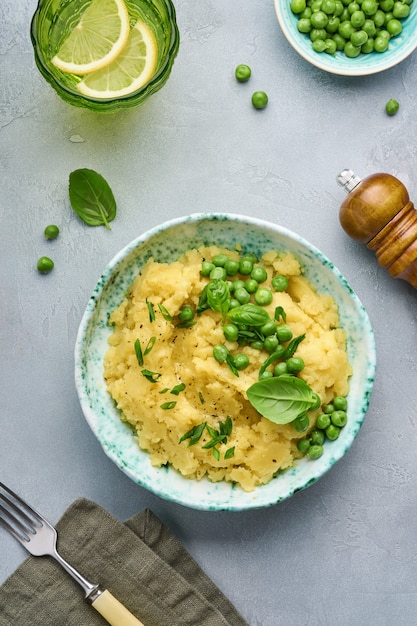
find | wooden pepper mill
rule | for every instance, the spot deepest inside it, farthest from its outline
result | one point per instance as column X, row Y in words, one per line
column 379, row 213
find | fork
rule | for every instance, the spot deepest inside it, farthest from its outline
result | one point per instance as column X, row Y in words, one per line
column 39, row 538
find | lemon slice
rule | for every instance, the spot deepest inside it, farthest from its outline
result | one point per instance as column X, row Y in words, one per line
column 132, row 69
column 97, row 39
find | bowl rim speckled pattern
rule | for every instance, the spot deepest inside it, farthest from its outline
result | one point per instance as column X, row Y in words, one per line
column 167, row 242
column 400, row 47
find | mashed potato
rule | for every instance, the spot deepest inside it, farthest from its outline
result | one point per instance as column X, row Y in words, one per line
column 176, row 384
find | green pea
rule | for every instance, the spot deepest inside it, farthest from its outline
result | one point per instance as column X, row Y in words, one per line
column 333, row 25
column 186, row 314
column 263, row 296
column 259, row 274
column 206, row 268
column 359, row 38
column 357, row 19
column 351, row 51
column 231, row 332
column 45, row 265
column 323, row 421
column 400, row 10
column 379, row 18
column 369, row 7
column 51, row 231
column 259, row 99
column 301, row 423
column 392, row 106
column 269, row 328
column 284, row 333
column 257, row 345
column 295, row 364
column 346, row 30
column 339, row 418
column 394, row 27
column 218, row 273
column 219, row 260
column 220, row 353
column 386, row 5
column 298, row 6
column 245, row 266
column 279, row 283
column 315, row 452
column 242, row 296
column 339, row 41
column 381, row 44
column 352, row 7
column 280, row 368
column 233, row 304
column 330, row 46
column 329, row 408
column 368, row 47
column 317, row 403
column 265, row 374
column 241, row 361
column 328, row 7
column 303, row 445
column 318, row 34
column 319, row 19
column 304, row 25
column 243, row 73
column 271, row 343
column 317, row 437
column 251, row 285
column 231, row 267
column 319, row 45
column 238, row 284
column 332, row 432
column 340, row 403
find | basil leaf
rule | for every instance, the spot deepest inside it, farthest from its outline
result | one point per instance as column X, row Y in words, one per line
column 218, row 296
column 249, row 314
column 282, row 398
column 91, row 198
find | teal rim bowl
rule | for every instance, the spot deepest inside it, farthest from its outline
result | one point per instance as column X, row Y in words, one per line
column 166, row 243
column 400, row 47
column 46, row 37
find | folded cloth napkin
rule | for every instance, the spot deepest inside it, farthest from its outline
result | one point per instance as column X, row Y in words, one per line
column 140, row 562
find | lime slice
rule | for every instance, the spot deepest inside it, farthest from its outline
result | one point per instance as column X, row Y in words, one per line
column 132, row 69
column 97, row 39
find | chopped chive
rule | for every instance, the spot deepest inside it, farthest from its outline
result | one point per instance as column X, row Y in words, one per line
column 280, row 313
column 194, row 434
column 200, row 395
column 138, row 351
column 216, row 454
column 151, row 311
column 229, row 453
column 165, row 313
column 165, row 390
column 177, row 389
column 168, row 405
column 150, row 345
column 151, row 376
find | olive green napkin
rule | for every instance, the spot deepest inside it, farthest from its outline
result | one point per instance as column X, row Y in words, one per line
column 140, row 562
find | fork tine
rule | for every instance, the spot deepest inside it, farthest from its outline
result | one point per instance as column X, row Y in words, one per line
column 18, row 531
column 17, row 516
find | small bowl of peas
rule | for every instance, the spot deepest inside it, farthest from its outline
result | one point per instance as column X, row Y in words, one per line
column 167, row 243
column 350, row 37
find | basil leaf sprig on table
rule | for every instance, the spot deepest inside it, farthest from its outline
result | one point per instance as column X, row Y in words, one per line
column 282, row 399
column 91, row 197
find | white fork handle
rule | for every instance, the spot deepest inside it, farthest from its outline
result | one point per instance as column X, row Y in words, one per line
column 113, row 611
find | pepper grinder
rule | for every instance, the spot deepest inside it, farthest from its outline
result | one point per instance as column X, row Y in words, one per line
column 379, row 213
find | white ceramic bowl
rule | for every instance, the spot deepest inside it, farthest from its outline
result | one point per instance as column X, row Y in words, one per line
column 400, row 47
column 166, row 243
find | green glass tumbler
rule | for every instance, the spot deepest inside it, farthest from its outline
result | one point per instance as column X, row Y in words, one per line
column 53, row 20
